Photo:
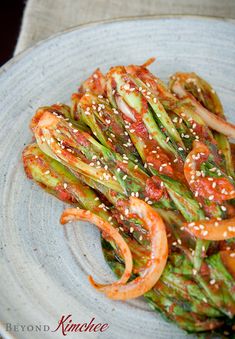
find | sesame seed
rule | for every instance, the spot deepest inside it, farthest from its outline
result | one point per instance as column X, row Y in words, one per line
column 131, row 229
column 47, row 172
column 191, row 224
column 213, row 169
column 65, row 185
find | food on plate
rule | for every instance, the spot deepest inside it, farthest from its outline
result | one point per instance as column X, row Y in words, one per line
column 152, row 167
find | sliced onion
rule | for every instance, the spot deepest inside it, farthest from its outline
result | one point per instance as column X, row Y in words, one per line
column 124, row 108
column 159, row 253
column 73, row 214
column 213, row 121
column 212, row 229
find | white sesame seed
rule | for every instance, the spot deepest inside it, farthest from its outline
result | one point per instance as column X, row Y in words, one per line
column 191, row 224
column 213, row 169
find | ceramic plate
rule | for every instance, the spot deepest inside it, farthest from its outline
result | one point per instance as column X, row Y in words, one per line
column 44, row 266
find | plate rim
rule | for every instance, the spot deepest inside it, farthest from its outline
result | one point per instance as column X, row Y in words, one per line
column 92, row 24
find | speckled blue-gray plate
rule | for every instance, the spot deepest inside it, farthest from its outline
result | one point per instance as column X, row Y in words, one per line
column 43, row 266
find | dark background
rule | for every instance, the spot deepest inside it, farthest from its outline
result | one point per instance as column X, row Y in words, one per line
column 10, row 20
